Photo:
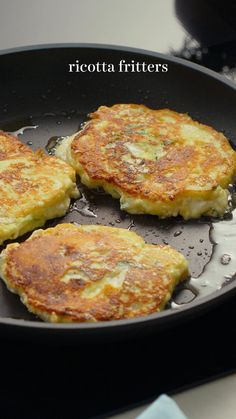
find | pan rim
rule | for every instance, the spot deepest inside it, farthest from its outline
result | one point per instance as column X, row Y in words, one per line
column 172, row 58
column 160, row 317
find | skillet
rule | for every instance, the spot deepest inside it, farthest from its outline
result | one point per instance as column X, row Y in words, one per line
column 38, row 90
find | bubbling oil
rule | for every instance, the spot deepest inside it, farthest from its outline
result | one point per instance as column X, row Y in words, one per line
column 222, row 266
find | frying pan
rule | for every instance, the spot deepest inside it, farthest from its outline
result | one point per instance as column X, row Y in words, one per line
column 38, row 90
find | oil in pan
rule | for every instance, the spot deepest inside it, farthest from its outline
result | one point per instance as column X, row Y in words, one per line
column 206, row 243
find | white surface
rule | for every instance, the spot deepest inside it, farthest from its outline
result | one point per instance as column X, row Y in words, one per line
column 215, row 400
column 136, row 23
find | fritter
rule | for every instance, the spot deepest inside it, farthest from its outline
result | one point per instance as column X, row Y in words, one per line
column 33, row 187
column 91, row 273
column 155, row 161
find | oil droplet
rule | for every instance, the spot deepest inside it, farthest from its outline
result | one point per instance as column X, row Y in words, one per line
column 199, row 253
column 29, row 142
column 191, row 247
column 225, row 259
column 118, row 221
column 82, row 125
column 177, row 233
column 165, row 241
column 201, row 240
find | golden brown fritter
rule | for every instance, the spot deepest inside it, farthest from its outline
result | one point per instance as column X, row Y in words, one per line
column 91, row 273
column 33, row 187
column 155, row 161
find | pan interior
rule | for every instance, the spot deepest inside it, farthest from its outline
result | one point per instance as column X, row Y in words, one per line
column 56, row 113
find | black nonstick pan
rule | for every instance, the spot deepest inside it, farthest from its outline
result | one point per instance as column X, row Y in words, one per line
column 39, row 92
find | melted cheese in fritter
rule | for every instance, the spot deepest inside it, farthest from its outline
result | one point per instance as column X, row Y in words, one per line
column 155, row 161
column 91, row 273
column 33, row 187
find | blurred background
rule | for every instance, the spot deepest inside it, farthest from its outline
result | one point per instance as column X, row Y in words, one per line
column 147, row 24
column 203, row 31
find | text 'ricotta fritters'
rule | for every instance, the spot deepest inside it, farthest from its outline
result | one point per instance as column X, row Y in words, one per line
column 155, row 161
column 33, row 187
column 91, row 273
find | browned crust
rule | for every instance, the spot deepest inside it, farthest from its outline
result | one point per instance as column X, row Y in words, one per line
column 27, row 177
column 35, row 268
column 166, row 178
column 11, row 147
